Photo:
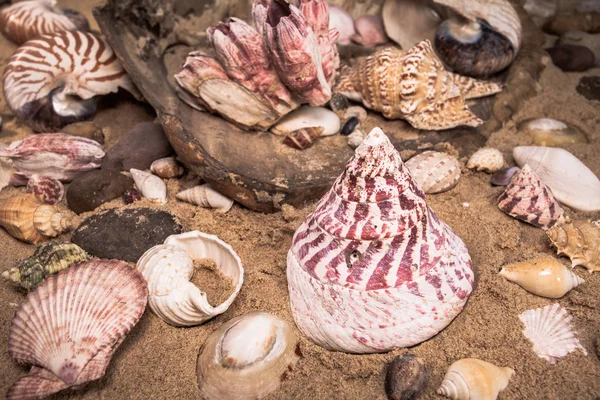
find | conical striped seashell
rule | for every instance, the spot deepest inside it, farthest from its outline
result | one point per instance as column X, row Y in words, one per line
column 150, row 186
column 48, row 190
column 580, row 241
column 528, row 199
column 205, row 196
column 473, row 379
column 434, row 171
column 50, row 81
column 412, row 85
column 486, row 159
column 549, row 330
column 69, row 327
column 29, row 19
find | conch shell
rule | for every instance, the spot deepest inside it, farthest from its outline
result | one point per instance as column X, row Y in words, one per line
column 434, row 171
column 580, row 241
column 168, row 268
column 28, row 219
column 473, row 379
column 372, row 241
column 205, row 196
column 543, row 276
column 151, row 186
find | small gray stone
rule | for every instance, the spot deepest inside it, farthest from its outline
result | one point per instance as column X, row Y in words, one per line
column 589, row 87
column 125, row 234
column 95, row 188
column 589, row 40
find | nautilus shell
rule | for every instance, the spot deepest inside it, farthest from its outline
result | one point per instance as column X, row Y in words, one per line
column 473, row 379
column 150, row 186
column 413, row 85
column 205, row 196
column 48, row 190
column 486, row 159
column 29, row 19
column 70, row 326
column 549, row 330
column 51, row 81
column 372, row 241
column 580, row 241
column 168, row 268
column 28, row 219
column 434, row 171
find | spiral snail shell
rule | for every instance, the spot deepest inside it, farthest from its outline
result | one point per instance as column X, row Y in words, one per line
column 473, row 379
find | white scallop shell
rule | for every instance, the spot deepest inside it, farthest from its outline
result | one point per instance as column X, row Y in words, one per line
column 167, row 168
column 549, row 329
column 306, row 117
column 571, row 182
column 473, row 379
column 486, row 159
column 168, row 268
column 150, row 186
column 435, row 172
column 205, row 196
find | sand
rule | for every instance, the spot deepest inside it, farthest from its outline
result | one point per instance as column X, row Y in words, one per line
column 157, row 361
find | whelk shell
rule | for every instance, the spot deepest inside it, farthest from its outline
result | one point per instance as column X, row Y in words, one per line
column 580, row 241
column 473, row 379
column 205, row 196
column 434, row 171
column 70, row 326
column 247, row 358
column 151, row 186
column 306, row 117
column 167, row 168
column 48, row 190
column 551, row 132
column 571, row 182
column 168, row 268
column 543, row 276
column 486, row 159
column 373, row 241
column 549, row 330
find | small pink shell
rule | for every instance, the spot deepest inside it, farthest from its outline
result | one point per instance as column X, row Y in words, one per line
column 49, row 190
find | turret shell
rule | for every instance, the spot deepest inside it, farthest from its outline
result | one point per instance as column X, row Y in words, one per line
column 473, row 379
column 486, row 159
column 205, row 196
column 580, row 241
column 435, row 172
column 150, row 186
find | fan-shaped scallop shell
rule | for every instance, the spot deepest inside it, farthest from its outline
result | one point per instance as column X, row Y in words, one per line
column 29, row 19
column 48, row 190
column 528, row 199
column 549, row 330
column 434, row 171
column 580, row 241
column 169, row 267
column 69, row 327
column 371, row 242
column 486, row 159
column 473, row 379
column 246, row 358
column 49, row 81
column 150, row 186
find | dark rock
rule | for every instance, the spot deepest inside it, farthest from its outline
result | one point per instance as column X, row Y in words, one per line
column 138, row 149
column 131, row 195
column 406, row 378
column 349, row 126
column 338, row 102
column 571, row 57
column 95, row 188
column 589, row 87
column 125, row 234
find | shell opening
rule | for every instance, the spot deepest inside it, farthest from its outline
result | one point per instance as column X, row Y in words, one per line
column 247, row 342
column 461, row 30
column 69, row 105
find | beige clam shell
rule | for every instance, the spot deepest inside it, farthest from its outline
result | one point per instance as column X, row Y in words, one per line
column 434, row 171
column 473, row 379
column 205, row 196
column 169, row 267
column 486, row 159
column 150, row 186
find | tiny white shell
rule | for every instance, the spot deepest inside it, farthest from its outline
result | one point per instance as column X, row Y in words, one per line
column 306, row 117
column 150, row 186
column 206, row 196
column 168, row 268
column 435, row 172
column 167, row 168
column 486, row 159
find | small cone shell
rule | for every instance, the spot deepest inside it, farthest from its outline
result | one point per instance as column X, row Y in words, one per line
column 150, row 186
column 473, row 379
column 543, row 276
column 206, row 196
column 580, row 241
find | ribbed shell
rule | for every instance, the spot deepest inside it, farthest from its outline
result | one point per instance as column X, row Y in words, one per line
column 372, row 241
column 580, row 241
column 528, row 199
column 48, row 190
column 549, row 330
column 486, row 159
column 72, row 323
column 435, row 172
column 29, row 19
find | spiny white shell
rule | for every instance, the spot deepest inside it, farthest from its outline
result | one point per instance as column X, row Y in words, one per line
column 434, row 171
column 205, row 196
column 167, row 168
column 486, row 159
column 150, row 186
column 168, row 268
column 571, row 182
column 549, row 329
column 473, row 379
column 306, row 117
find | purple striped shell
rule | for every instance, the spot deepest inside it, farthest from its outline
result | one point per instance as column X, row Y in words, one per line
column 50, row 82
column 49, row 190
column 373, row 268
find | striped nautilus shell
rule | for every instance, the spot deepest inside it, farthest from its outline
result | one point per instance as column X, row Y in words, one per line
column 29, row 19
column 50, row 81
column 373, row 268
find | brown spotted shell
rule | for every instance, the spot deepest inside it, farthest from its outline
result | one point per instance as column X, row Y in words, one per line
column 580, row 241
column 434, row 171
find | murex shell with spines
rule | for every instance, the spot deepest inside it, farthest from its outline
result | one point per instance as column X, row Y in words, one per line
column 580, row 241
column 373, row 241
column 69, row 327
column 414, row 85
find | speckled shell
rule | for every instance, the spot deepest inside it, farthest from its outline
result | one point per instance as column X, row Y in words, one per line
column 48, row 190
column 372, row 241
column 169, row 267
column 549, row 330
column 434, row 172
column 528, row 199
column 486, row 159
column 205, row 196
column 167, row 168
column 473, row 379
column 412, row 85
column 150, row 186
column 70, row 326
column 29, row 19
column 29, row 220
column 580, row 241
column 48, row 259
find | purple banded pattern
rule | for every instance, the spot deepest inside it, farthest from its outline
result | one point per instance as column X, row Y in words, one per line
column 373, row 268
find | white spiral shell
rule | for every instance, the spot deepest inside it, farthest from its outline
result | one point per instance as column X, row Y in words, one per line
column 435, row 172
column 150, row 186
